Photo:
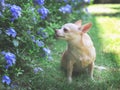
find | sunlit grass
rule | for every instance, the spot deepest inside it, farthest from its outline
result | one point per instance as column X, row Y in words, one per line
column 104, row 8
column 110, row 35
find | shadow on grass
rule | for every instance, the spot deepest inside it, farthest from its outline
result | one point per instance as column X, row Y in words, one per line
column 107, row 79
column 114, row 8
column 117, row 14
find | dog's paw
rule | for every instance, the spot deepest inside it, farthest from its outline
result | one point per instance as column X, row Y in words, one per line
column 69, row 80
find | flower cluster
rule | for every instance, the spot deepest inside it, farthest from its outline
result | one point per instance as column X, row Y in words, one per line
column 37, row 69
column 87, row 1
column 39, row 2
column 10, row 59
column 40, row 43
column 15, row 11
column 47, row 52
column 66, row 9
column 11, row 32
column 42, row 33
column 2, row 5
column 6, row 79
column 43, row 12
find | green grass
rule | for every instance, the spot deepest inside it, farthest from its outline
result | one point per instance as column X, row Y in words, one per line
column 105, row 34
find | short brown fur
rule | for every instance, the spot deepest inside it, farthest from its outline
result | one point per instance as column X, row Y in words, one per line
column 80, row 53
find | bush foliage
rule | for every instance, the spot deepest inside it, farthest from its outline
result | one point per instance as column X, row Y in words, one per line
column 25, row 26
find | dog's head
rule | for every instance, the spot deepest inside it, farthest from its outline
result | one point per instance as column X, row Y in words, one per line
column 71, row 31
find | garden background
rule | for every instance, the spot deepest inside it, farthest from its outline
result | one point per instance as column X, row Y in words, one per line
column 30, row 54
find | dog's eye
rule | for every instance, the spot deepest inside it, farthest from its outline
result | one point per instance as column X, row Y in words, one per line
column 65, row 30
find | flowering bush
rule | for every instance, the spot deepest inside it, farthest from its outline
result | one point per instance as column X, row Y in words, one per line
column 43, row 12
column 66, row 9
column 15, row 11
column 25, row 26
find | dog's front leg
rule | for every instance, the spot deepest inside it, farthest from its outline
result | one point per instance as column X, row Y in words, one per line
column 69, row 71
column 90, row 70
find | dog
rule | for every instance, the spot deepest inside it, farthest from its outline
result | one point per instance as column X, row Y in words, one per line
column 80, row 53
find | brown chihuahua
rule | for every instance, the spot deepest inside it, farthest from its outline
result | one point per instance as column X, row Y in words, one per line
column 80, row 54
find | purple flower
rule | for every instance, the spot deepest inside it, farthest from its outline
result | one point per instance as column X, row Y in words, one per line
column 37, row 69
column 39, row 2
column 86, row 10
column 10, row 58
column 2, row 5
column 65, row 0
column 43, row 12
column 42, row 33
column 11, row 32
column 6, row 79
column 3, row 52
column 40, row 43
column 66, row 9
column 8, row 5
column 47, row 51
column 29, row 32
column 14, row 86
column 87, row 1
column 33, row 38
column 16, row 12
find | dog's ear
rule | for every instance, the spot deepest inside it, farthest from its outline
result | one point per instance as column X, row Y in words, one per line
column 78, row 23
column 86, row 27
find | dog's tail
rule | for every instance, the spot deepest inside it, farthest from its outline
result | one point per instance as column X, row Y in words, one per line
column 100, row 67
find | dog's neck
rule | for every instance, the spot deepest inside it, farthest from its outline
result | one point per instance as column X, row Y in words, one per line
column 78, row 45
column 75, row 43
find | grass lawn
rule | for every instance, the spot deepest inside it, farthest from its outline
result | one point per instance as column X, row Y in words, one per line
column 105, row 34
